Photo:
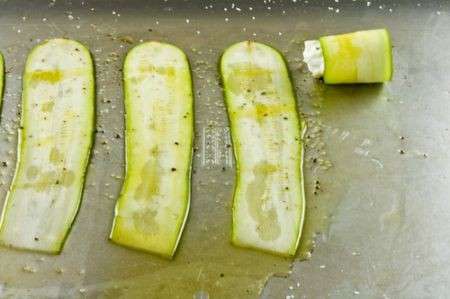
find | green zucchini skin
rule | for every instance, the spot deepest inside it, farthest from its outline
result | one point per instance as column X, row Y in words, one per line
column 154, row 202
column 358, row 57
column 54, row 143
column 268, row 200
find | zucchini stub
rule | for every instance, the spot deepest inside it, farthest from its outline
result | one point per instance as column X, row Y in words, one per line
column 54, row 142
column 358, row 57
column 153, row 205
column 269, row 201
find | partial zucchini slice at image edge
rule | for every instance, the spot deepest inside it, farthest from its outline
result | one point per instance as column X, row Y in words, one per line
column 153, row 206
column 2, row 79
column 358, row 57
column 267, row 136
column 54, row 142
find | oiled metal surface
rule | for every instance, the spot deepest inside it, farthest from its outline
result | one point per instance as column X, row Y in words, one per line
column 379, row 153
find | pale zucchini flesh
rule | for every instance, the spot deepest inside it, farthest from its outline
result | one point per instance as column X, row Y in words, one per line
column 269, row 201
column 358, row 57
column 153, row 205
column 54, row 143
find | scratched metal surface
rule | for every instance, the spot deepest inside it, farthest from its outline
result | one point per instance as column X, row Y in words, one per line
column 385, row 181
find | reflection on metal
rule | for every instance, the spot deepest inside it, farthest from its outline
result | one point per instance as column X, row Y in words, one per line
column 216, row 147
column 201, row 295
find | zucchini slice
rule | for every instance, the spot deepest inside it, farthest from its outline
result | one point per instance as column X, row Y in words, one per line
column 358, row 57
column 269, row 201
column 153, row 206
column 2, row 79
column 53, row 149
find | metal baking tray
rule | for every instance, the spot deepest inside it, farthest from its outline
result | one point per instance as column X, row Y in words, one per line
column 379, row 223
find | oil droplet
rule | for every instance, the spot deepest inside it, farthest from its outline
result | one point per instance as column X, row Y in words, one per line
column 50, row 76
column 150, row 175
column 55, row 156
column 47, row 106
column 245, row 80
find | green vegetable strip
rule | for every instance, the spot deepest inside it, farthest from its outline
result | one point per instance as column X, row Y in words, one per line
column 54, row 142
column 154, row 202
column 358, row 57
column 269, row 202
column 2, row 72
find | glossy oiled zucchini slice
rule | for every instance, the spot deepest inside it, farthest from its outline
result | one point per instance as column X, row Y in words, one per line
column 269, row 202
column 154, row 202
column 53, row 148
column 358, row 57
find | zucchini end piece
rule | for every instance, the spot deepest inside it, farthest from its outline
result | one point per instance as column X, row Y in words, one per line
column 358, row 57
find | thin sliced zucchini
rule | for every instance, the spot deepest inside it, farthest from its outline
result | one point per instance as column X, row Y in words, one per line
column 153, row 206
column 2, row 72
column 53, row 149
column 358, row 57
column 269, row 201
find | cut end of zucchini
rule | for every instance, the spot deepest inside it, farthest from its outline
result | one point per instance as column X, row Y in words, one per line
column 358, row 57
column 57, row 124
column 313, row 57
column 269, row 203
column 152, row 208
